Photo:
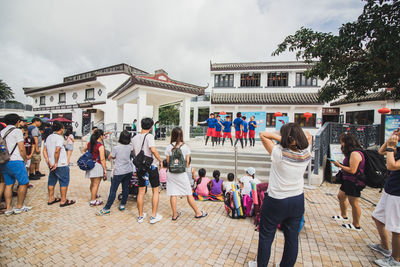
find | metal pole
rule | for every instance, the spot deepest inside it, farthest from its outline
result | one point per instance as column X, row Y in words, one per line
column 236, row 160
column 309, row 186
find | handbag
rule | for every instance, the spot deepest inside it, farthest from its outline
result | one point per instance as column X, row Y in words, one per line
column 141, row 161
column 339, row 177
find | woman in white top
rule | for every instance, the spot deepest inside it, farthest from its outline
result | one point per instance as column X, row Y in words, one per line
column 178, row 183
column 284, row 202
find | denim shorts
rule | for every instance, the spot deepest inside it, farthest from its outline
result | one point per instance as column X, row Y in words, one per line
column 61, row 174
column 15, row 171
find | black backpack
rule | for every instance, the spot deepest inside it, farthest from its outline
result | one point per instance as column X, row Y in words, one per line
column 375, row 171
column 141, row 161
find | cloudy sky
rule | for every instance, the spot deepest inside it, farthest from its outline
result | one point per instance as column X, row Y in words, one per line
column 44, row 40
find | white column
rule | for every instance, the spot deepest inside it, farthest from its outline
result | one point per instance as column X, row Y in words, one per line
column 155, row 113
column 184, row 118
column 195, row 115
column 120, row 117
column 292, row 110
column 141, row 108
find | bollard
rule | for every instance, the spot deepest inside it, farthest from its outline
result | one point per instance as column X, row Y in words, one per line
column 236, row 161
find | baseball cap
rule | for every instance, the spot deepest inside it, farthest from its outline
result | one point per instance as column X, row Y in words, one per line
column 250, row 170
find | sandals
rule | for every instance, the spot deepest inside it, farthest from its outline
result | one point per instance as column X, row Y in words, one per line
column 95, row 203
column 176, row 218
column 350, row 226
column 340, row 218
column 203, row 214
column 68, row 203
column 54, row 201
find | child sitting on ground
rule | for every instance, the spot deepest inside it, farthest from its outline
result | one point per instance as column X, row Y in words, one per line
column 227, row 186
column 216, row 187
column 162, row 173
column 201, row 190
column 245, row 181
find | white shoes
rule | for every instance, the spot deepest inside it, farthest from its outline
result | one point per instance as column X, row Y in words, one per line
column 155, row 219
column 23, row 209
column 140, row 219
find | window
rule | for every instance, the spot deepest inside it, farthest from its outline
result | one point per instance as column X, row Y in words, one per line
column 270, row 121
column 302, row 121
column 61, row 98
column 250, row 80
column 89, row 94
column 302, row 80
column 42, row 100
column 363, row 117
column 223, row 80
column 395, row 112
column 277, row 79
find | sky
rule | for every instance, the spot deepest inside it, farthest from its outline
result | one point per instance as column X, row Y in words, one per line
column 43, row 41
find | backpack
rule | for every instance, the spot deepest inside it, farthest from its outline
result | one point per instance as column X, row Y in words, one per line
column 229, row 204
column 375, row 171
column 177, row 162
column 86, row 162
column 4, row 153
column 141, row 161
column 247, row 205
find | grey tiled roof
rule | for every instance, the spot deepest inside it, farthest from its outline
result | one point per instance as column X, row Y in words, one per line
column 259, row 65
column 376, row 96
column 172, row 85
column 266, row 98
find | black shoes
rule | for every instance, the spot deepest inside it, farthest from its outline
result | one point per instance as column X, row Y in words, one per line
column 34, row 177
column 39, row 174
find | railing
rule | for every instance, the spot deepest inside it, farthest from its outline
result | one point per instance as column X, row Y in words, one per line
column 8, row 105
column 367, row 135
column 200, row 98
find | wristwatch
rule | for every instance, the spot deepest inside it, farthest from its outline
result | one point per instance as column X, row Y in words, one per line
column 389, row 149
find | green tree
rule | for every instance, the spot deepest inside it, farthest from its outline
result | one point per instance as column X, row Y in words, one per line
column 364, row 56
column 169, row 115
column 5, row 91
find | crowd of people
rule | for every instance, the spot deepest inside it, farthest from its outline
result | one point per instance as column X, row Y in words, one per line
column 283, row 203
column 243, row 129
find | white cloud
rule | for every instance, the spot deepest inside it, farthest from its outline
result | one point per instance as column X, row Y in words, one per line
column 43, row 41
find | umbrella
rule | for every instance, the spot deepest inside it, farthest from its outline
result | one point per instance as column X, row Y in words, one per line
column 45, row 119
column 29, row 119
column 60, row 120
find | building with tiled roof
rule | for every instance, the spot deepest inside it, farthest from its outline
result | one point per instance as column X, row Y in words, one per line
column 264, row 88
column 116, row 94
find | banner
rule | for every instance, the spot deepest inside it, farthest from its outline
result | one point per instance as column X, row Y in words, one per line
column 259, row 117
column 279, row 121
column 392, row 122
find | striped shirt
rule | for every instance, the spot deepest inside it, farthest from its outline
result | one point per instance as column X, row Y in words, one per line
column 287, row 171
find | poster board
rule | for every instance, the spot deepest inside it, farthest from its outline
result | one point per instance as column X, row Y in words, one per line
column 259, row 117
column 392, row 122
column 279, row 121
column 336, row 154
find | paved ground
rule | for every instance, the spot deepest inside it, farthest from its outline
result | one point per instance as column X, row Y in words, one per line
column 74, row 236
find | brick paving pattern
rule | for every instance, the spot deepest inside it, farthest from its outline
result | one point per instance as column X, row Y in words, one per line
column 75, row 236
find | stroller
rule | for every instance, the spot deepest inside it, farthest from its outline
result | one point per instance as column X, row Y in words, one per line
column 133, row 187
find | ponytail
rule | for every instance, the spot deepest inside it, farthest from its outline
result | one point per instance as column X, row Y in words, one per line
column 216, row 175
column 93, row 139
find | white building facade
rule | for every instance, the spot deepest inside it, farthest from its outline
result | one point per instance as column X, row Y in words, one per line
column 114, row 95
column 267, row 88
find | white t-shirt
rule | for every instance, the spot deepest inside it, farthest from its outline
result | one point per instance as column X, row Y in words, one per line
column 227, row 186
column 286, row 178
column 246, row 180
column 185, row 150
column 137, row 141
column 52, row 142
column 122, row 161
column 13, row 138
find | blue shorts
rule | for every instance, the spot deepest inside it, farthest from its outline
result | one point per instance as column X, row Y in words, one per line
column 15, row 170
column 60, row 174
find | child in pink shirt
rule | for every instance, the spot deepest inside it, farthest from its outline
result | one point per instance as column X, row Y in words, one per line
column 202, row 187
column 163, row 175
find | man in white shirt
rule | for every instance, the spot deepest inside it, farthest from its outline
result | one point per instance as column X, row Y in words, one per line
column 150, row 150
column 14, row 169
column 56, row 158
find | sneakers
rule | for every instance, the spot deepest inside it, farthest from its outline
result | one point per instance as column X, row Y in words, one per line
column 140, row 219
column 121, row 207
column 387, row 261
column 340, row 218
column 103, row 212
column 252, row 264
column 155, row 219
column 9, row 212
column 39, row 174
column 23, row 209
column 380, row 249
column 33, row 177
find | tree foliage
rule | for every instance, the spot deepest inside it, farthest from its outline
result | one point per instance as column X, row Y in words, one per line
column 169, row 115
column 5, row 91
column 364, row 56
